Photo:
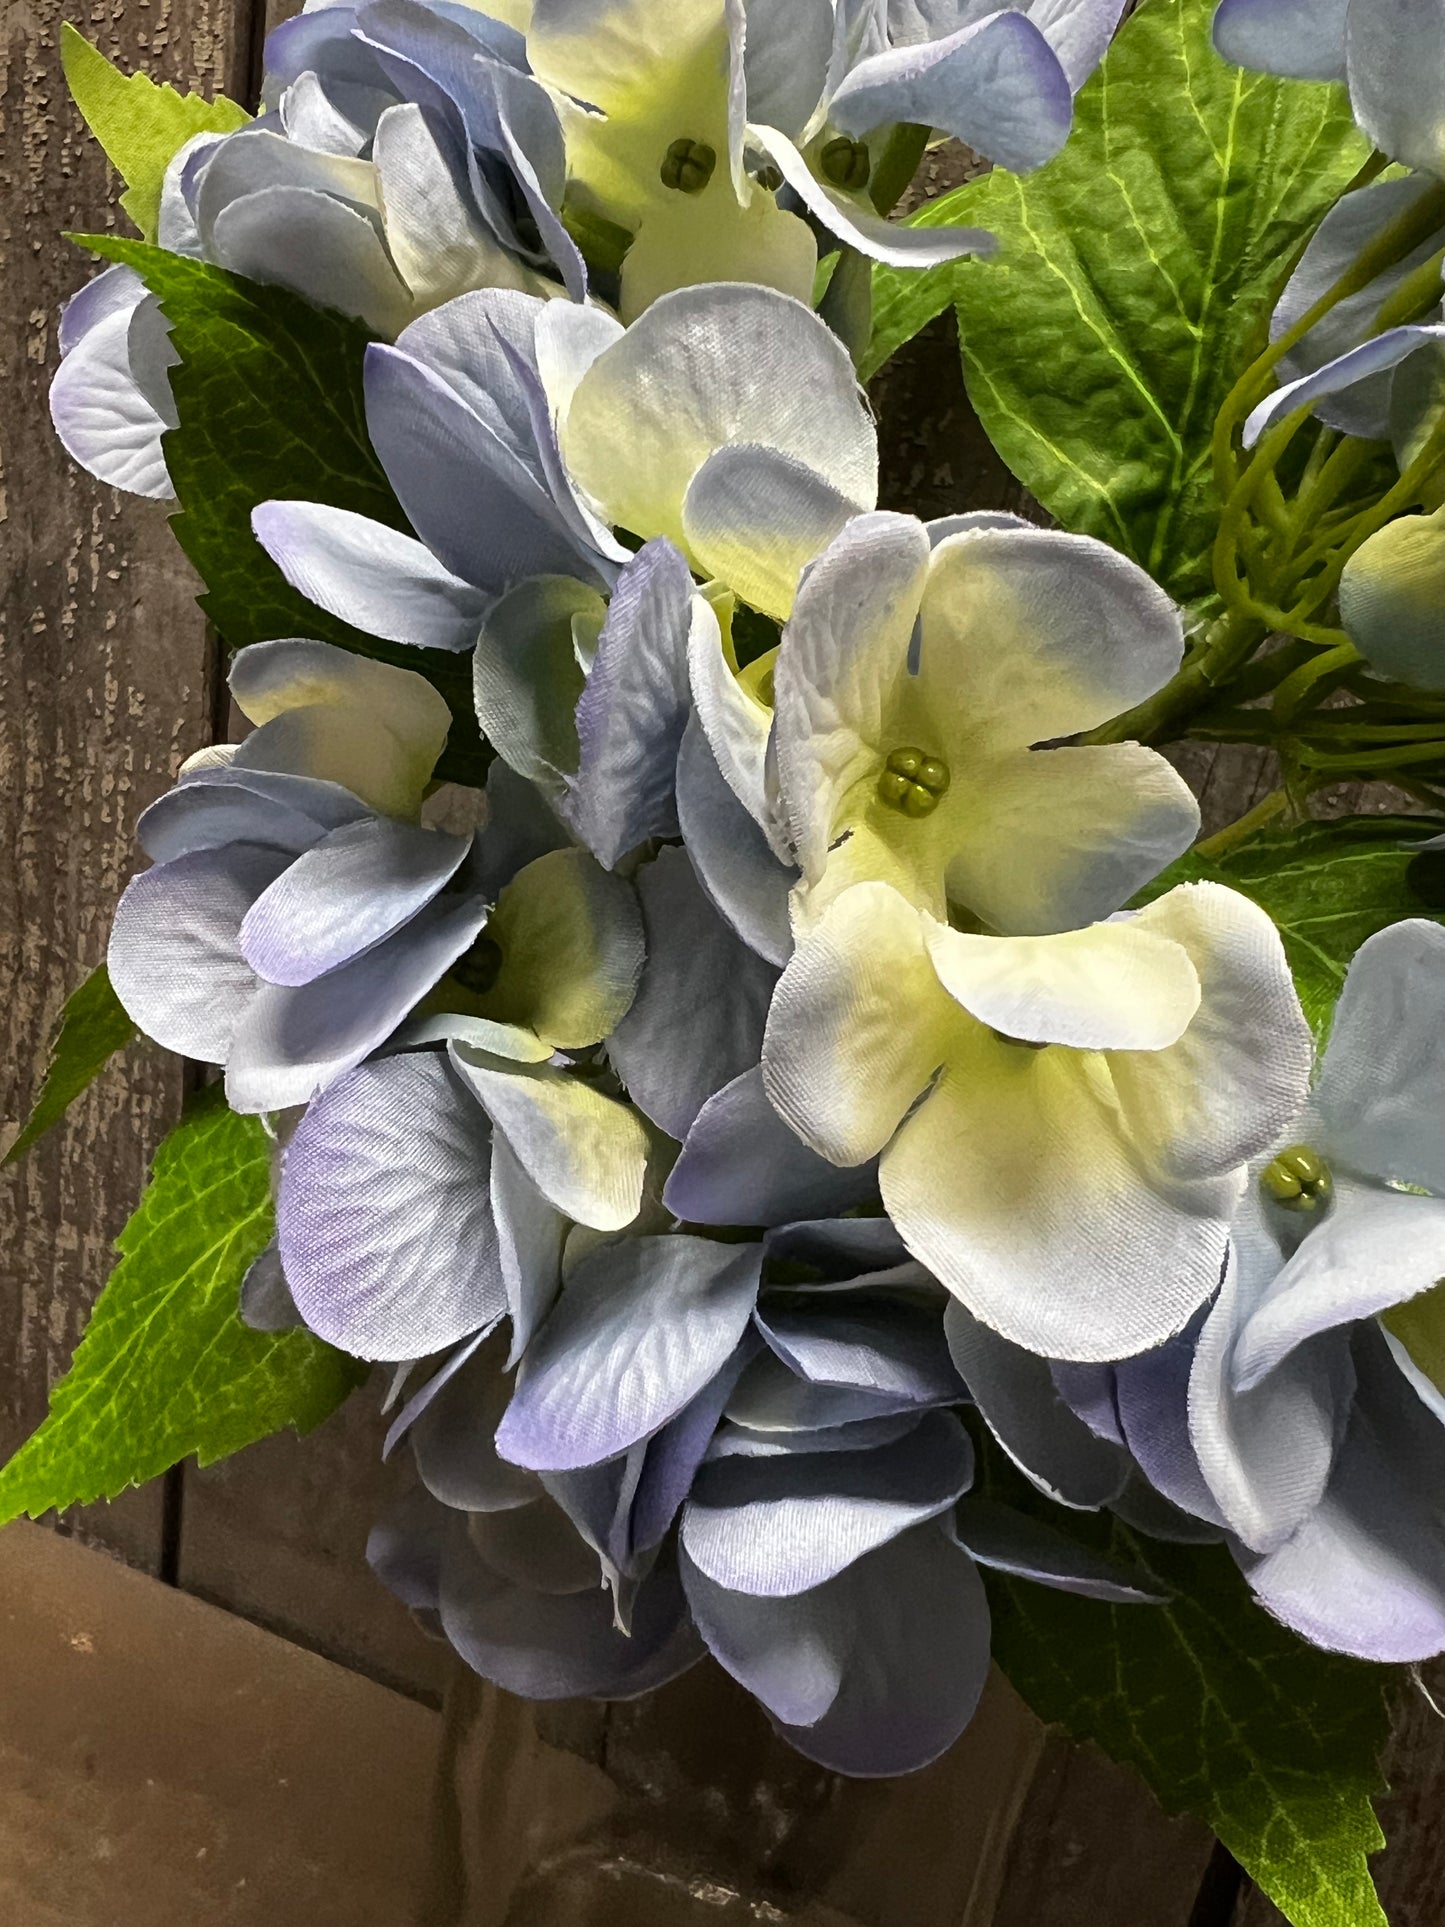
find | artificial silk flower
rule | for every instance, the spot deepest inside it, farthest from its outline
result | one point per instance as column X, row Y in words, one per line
column 1063, row 1121
column 297, row 912
column 917, row 673
column 110, row 398
column 1316, row 1402
column 748, row 441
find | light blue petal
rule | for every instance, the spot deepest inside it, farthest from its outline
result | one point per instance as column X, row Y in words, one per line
column 1015, row 1392
column 1365, row 1573
column 347, row 893
column 740, row 1164
column 1357, row 365
column 266, row 1302
column 698, row 1018
column 175, row 947
column 731, row 853
column 548, row 1646
column 855, row 1673
column 886, row 1347
column 780, row 1526
column 1395, row 62
column 290, row 1043
column 383, row 1214
column 642, row 1326
column 1008, row 1541
column 382, row 582
column 1299, row 39
column 212, row 807
column 634, row 708
column 454, row 1439
column 530, row 1234
column 997, row 85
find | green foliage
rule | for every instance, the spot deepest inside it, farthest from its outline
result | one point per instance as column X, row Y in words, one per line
column 1329, row 886
column 1227, row 1715
column 92, row 1028
column 141, row 125
column 1134, row 279
column 166, row 1368
column 269, row 395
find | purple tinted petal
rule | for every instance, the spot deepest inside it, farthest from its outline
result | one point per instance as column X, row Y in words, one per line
column 384, row 1218
column 783, row 1525
column 1008, row 1541
column 740, row 1164
column 640, row 1329
column 698, row 1018
column 347, row 893
column 855, row 1672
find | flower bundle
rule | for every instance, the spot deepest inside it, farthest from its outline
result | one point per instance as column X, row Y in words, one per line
column 742, row 1021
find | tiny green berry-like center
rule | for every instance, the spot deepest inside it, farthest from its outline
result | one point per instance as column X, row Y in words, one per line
column 846, row 164
column 688, row 166
column 1298, row 1179
column 912, row 782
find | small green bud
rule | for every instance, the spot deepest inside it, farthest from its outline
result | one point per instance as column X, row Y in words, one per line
column 912, row 781
column 769, row 178
column 478, row 969
column 688, row 166
column 1298, row 1179
column 846, row 164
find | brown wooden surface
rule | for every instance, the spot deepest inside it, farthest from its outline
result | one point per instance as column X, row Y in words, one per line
column 163, row 1764
column 107, row 679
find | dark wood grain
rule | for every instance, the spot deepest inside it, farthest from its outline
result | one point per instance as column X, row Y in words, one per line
column 104, row 684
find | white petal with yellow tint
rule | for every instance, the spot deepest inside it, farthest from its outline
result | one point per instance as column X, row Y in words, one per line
column 571, row 942
column 1113, row 986
column 703, row 368
column 325, row 707
column 1392, row 600
column 1055, row 839
column 688, row 240
column 1016, row 1185
column 736, row 724
column 1239, row 1075
column 656, row 74
column 859, row 1024
column 585, row 1152
column 1033, row 634
column 754, row 519
column 840, row 684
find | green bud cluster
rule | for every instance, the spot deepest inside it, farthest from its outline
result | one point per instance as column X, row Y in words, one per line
column 1298, row 1179
column 846, row 164
column 688, row 166
column 913, row 781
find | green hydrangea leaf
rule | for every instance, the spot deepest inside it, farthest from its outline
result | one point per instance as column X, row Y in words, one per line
column 1134, row 281
column 140, row 124
column 268, row 391
column 166, row 1369
column 92, row 1028
column 1329, row 886
column 1274, row 1744
column 905, row 300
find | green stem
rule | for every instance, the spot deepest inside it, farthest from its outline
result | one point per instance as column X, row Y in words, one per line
column 1276, row 804
column 1226, row 645
column 1293, row 691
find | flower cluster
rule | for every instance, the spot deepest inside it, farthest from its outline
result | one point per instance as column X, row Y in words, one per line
column 791, row 1046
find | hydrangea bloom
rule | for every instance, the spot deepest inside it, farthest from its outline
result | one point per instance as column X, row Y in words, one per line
column 1064, row 1121
column 298, row 911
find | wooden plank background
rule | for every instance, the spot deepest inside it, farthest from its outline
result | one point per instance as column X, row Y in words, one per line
column 107, row 678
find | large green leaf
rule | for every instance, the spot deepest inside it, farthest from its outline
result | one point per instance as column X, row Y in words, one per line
column 268, row 391
column 92, row 1028
column 141, row 125
column 1134, row 278
column 1226, row 1714
column 166, row 1368
column 1328, row 885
